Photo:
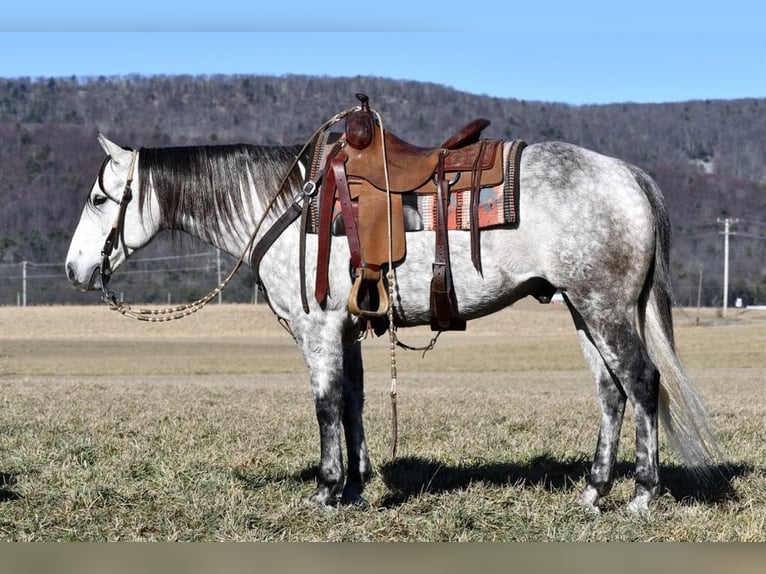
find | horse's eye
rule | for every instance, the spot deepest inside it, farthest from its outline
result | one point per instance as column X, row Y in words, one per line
column 99, row 200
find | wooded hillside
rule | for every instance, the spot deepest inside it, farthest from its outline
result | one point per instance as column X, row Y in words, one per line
column 708, row 156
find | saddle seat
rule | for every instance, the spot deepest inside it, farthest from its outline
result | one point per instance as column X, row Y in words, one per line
column 409, row 166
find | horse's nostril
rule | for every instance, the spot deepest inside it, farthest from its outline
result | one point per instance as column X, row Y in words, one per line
column 70, row 272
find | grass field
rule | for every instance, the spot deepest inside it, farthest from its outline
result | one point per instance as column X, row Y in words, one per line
column 203, row 429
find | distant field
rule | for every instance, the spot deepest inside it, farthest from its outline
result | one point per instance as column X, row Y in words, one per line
column 203, row 429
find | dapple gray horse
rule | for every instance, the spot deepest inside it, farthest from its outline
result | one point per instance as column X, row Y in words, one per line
column 593, row 227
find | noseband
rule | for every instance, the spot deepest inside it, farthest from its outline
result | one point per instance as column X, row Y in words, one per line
column 117, row 232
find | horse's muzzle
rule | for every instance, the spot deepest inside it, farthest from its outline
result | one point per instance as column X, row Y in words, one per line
column 93, row 284
column 96, row 282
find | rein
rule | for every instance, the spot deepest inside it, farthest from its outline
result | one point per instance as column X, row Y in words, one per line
column 180, row 311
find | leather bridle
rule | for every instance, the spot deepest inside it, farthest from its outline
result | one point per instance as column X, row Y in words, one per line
column 117, row 233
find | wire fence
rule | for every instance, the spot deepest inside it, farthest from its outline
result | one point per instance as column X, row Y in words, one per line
column 151, row 280
column 180, row 278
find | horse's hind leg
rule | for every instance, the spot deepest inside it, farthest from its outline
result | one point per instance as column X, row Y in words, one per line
column 612, row 401
column 624, row 370
column 359, row 467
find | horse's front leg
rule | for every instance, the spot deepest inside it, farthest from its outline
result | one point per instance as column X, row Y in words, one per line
column 325, row 346
column 326, row 373
column 359, row 467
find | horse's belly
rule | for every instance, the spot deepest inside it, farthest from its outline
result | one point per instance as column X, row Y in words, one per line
column 502, row 281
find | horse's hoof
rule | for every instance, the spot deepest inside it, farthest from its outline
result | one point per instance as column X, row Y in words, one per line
column 589, row 499
column 322, row 498
column 639, row 506
column 354, row 500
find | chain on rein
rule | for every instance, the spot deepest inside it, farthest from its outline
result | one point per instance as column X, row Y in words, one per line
column 116, row 237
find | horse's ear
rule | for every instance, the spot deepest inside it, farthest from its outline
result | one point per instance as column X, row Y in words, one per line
column 119, row 154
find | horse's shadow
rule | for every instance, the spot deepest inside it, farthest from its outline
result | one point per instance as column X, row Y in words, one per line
column 409, row 477
column 7, row 483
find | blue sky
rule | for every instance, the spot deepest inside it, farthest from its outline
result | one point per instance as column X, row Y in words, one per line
column 575, row 52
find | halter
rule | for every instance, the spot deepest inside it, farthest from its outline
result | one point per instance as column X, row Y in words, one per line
column 117, row 232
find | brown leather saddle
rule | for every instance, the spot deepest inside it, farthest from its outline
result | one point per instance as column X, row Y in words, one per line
column 355, row 176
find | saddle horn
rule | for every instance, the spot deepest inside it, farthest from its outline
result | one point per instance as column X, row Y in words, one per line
column 359, row 125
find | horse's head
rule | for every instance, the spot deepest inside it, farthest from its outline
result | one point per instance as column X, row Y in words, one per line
column 113, row 224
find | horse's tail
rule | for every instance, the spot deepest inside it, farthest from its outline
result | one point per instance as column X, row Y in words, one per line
column 681, row 411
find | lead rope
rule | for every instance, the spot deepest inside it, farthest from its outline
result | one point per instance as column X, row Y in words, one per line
column 390, row 311
column 393, row 340
column 180, row 311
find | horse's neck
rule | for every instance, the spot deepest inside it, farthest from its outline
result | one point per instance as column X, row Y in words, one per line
column 225, row 206
column 231, row 237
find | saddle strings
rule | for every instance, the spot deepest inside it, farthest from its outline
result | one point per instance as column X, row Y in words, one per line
column 393, row 340
column 390, row 276
column 180, row 311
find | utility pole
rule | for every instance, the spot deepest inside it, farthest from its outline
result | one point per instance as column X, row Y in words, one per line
column 726, row 225
column 23, row 283
column 218, row 273
column 699, row 296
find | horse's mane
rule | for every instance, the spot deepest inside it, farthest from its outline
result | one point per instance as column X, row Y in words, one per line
column 205, row 183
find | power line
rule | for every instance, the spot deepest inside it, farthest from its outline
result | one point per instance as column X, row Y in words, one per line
column 168, row 270
column 753, row 222
column 132, row 261
column 701, row 236
column 172, row 257
column 747, row 235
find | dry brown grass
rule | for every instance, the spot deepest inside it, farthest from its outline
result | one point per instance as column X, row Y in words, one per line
column 203, row 429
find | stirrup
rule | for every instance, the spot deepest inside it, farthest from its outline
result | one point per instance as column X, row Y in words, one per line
column 363, row 292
